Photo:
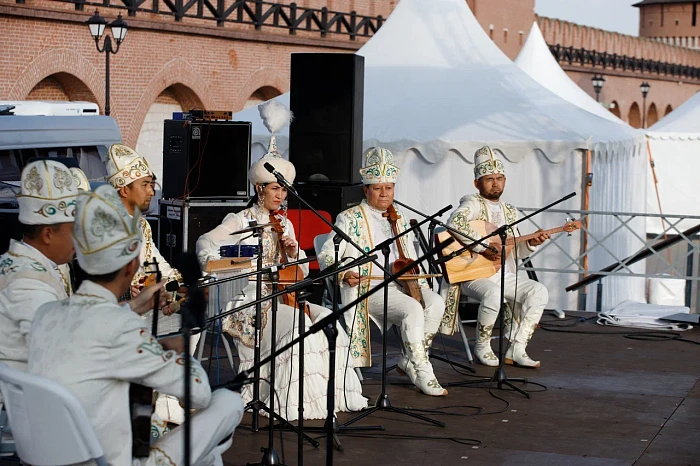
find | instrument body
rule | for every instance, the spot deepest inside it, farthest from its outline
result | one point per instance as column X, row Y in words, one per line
column 472, row 266
column 287, row 275
column 410, row 286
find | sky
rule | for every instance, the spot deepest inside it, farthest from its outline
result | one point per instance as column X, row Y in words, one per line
column 612, row 15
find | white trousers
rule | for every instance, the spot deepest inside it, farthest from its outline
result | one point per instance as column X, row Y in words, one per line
column 209, row 427
column 407, row 313
column 530, row 299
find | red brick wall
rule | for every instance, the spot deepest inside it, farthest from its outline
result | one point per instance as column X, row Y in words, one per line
column 47, row 89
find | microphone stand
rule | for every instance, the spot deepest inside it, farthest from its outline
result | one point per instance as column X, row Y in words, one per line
column 383, row 403
column 499, row 377
column 242, row 377
column 270, row 456
column 432, row 226
column 331, row 427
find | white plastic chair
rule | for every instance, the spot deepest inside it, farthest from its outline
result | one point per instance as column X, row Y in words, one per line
column 49, row 425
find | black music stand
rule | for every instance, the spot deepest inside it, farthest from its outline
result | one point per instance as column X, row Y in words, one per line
column 499, row 377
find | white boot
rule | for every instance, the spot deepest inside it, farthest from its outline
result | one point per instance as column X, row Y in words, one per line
column 482, row 350
column 404, row 366
column 423, row 376
column 516, row 355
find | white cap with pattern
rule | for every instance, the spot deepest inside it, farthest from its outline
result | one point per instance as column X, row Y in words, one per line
column 47, row 194
column 80, row 179
column 105, row 236
column 275, row 117
column 486, row 163
column 124, row 166
column 379, row 167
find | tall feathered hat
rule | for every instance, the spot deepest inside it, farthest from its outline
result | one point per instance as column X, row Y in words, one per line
column 379, row 167
column 275, row 117
column 486, row 163
column 47, row 194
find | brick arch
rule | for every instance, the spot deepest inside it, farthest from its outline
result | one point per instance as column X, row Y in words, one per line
column 187, row 85
column 668, row 110
column 59, row 61
column 634, row 116
column 264, row 77
column 615, row 109
column 652, row 114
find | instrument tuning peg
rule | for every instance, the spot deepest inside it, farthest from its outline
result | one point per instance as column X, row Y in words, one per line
column 568, row 231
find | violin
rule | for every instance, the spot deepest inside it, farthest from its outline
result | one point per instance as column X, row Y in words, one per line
column 288, row 275
column 410, row 286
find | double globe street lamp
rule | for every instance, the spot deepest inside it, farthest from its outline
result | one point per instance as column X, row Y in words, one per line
column 598, row 82
column 97, row 25
column 644, row 87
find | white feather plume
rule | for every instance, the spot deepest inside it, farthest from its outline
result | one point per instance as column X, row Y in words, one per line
column 275, row 115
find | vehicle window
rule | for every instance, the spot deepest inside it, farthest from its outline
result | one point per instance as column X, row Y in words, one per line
column 89, row 158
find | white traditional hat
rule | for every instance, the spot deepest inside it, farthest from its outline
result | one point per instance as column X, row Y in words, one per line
column 47, row 194
column 105, row 236
column 379, row 167
column 80, row 179
column 275, row 117
column 486, row 163
column 124, row 166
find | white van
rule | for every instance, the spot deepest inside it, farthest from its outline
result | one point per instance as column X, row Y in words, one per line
column 23, row 137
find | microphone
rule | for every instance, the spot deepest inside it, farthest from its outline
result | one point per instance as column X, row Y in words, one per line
column 280, row 177
column 172, row 286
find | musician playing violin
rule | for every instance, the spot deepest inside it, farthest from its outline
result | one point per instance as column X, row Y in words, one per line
column 373, row 221
column 531, row 297
column 267, row 206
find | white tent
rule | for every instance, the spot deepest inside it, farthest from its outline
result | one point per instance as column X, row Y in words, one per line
column 537, row 61
column 437, row 88
column 675, row 147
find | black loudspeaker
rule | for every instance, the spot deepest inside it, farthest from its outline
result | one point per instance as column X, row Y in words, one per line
column 325, row 137
column 183, row 222
column 331, row 198
column 206, row 159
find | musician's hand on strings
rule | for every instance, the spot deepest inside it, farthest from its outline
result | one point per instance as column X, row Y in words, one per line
column 176, row 344
column 539, row 239
column 290, row 247
column 351, row 278
column 135, row 290
column 143, row 303
column 492, row 253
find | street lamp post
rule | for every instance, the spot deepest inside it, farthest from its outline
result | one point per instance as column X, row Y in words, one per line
column 598, row 82
column 97, row 25
column 645, row 90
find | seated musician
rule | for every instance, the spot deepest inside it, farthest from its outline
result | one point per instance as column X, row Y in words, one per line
column 531, row 297
column 266, row 204
column 96, row 347
column 131, row 176
column 368, row 225
column 29, row 270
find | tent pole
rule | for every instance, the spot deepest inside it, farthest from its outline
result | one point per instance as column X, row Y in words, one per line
column 587, row 182
column 658, row 198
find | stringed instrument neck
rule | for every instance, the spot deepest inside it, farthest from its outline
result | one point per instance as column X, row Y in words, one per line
column 411, row 286
column 569, row 227
column 288, row 274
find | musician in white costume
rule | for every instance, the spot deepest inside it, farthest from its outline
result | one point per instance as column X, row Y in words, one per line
column 96, row 347
column 531, row 297
column 269, row 197
column 131, row 176
column 81, row 182
column 29, row 275
column 368, row 225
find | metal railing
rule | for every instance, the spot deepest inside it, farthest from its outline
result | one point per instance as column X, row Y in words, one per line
column 604, row 60
column 681, row 267
column 257, row 13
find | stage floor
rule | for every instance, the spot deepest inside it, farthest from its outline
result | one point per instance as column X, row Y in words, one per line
column 609, row 400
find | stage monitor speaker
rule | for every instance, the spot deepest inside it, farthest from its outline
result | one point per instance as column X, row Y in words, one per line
column 325, row 137
column 206, row 159
column 331, row 198
column 183, row 222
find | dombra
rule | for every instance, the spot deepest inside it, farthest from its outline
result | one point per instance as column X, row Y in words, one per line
column 238, row 250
